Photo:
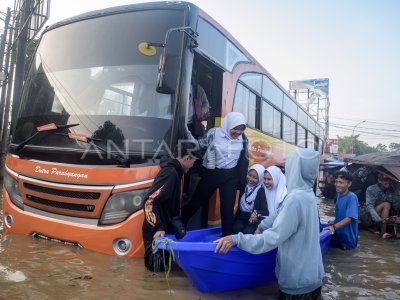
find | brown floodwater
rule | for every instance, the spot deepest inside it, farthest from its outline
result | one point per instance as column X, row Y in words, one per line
column 38, row 269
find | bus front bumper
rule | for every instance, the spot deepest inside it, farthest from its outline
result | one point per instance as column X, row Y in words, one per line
column 120, row 239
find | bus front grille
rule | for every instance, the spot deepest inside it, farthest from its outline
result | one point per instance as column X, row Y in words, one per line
column 62, row 193
column 61, row 205
column 74, row 200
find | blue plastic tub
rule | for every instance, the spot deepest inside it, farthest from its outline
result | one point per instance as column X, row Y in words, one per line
column 211, row 272
column 324, row 241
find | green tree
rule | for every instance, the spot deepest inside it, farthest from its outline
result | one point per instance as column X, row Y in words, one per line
column 381, row 148
column 351, row 144
column 394, row 147
column 344, row 144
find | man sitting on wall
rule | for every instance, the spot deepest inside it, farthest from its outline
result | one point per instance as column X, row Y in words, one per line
column 379, row 199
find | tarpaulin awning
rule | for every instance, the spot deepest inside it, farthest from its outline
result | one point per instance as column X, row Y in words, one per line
column 334, row 164
column 385, row 162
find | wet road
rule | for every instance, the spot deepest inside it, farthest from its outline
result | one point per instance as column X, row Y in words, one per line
column 38, row 269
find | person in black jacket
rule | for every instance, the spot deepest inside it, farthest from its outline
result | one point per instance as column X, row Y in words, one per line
column 252, row 204
column 162, row 205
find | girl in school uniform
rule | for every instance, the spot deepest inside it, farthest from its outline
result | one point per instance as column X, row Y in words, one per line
column 252, row 204
column 224, row 167
column 275, row 187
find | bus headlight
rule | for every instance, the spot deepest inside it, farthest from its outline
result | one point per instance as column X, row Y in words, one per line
column 13, row 191
column 121, row 205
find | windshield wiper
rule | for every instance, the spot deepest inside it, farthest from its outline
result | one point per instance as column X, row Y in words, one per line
column 119, row 158
column 49, row 128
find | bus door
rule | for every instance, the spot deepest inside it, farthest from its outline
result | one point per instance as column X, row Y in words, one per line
column 206, row 93
column 206, row 86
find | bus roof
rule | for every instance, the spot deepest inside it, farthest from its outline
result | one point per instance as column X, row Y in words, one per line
column 124, row 9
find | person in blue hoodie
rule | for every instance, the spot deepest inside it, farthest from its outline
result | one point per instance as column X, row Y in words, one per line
column 294, row 229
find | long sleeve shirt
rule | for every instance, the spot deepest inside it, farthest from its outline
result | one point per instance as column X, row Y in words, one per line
column 375, row 196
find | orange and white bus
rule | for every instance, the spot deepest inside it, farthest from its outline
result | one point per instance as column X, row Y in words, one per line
column 107, row 94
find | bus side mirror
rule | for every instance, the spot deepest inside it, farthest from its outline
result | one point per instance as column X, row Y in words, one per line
column 169, row 65
column 168, row 70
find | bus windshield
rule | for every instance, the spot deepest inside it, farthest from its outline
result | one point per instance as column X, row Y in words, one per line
column 91, row 73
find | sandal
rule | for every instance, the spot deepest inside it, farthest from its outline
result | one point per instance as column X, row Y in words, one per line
column 387, row 236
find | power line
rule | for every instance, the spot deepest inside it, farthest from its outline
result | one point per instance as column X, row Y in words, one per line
column 362, row 127
column 381, row 122
column 369, row 133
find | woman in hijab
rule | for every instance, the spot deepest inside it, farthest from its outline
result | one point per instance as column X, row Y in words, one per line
column 252, row 202
column 275, row 187
column 225, row 166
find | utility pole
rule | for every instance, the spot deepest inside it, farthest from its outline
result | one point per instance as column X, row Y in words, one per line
column 22, row 25
column 4, row 67
column 20, row 59
column 4, row 135
column 4, row 38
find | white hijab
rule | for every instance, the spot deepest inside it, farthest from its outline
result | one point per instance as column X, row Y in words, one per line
column 278, row 192
column 232, row 120
column 228, row 149
column 247, row 202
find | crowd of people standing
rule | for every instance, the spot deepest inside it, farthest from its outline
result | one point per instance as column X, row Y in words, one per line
column 274, row 209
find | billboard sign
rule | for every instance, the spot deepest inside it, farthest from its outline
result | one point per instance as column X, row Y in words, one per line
column 331, row 146
column 319, row 86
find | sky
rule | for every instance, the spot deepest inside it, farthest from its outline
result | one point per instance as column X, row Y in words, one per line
column 354, row 43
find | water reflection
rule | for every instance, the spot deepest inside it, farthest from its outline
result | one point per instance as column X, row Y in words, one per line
column 12, row 276
column 39, row 269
